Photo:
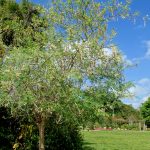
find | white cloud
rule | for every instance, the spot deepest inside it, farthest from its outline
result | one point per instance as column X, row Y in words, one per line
column 127, row 60
column 135, row 104
column 147, row 44
column 144, row 81
column 138, row 90
column 147, row 53
column 145, row 98
column 141, row 92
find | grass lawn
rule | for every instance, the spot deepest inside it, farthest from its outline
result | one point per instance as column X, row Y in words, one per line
column 117, row 140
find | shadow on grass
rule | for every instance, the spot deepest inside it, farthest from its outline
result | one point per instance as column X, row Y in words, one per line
column 88, row 146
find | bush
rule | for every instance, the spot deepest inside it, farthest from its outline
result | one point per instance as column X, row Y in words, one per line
column 9, row 129
column 65, row 136
column 23, row 135
column 130, row 126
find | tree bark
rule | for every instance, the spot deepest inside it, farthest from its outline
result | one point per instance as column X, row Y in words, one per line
column 41, row 126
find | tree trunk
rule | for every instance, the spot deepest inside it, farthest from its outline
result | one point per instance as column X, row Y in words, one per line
column 41, row 126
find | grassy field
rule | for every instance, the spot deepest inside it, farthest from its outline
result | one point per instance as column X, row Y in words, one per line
column 116, row 140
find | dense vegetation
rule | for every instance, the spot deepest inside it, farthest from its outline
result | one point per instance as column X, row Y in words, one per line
column 121, row 116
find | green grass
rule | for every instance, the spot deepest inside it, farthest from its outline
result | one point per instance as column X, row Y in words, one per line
column 116, row 140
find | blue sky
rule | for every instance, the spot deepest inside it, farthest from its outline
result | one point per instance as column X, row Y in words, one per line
column 133, row 39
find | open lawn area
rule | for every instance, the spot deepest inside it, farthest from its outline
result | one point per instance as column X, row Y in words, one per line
column 117, row 140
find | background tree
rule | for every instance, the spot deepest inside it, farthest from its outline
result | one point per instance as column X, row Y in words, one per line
column 145, row 111
column 21, row 23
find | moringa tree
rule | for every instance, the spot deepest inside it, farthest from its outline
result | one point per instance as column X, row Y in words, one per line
column 39, row 80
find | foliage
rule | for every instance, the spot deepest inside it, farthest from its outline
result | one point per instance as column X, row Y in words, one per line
column 116, row 115
column 129, row 113
column 126, row 112
column 145, row 111
column 9, row 129
column 58, row 136
column 23, row 135
column 21, row 23
column 63, row 136
column 49, row 64
column 130, row 126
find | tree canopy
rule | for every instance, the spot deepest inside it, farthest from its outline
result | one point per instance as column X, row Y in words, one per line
column 62, row 59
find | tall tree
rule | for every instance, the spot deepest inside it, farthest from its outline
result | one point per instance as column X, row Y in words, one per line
column 39, row 80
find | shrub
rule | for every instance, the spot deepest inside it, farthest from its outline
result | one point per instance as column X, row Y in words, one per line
column 23, row 135
column 9, row 129
column 65, row 136
column 130, row 126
